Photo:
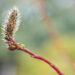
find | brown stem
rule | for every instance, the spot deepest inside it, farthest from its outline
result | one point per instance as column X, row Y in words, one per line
column 34, row 55
column 53, row 33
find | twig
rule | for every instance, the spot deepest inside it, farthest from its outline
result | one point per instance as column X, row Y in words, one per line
column 32, row 54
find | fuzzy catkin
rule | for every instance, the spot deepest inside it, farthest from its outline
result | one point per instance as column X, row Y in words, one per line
column 11, row 23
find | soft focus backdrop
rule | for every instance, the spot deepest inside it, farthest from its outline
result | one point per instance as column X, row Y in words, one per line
column 34, row 34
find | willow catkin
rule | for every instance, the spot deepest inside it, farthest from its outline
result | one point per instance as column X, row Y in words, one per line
column 11, row 23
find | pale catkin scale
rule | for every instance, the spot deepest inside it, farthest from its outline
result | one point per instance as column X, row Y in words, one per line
column 11, row 23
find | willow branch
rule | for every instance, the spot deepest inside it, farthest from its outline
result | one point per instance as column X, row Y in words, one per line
column 9, row 29
column 16, row 46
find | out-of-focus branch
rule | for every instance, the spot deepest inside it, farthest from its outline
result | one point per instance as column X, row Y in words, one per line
column 53, row 32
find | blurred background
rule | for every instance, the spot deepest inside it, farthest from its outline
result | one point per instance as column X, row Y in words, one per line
column 48, row 29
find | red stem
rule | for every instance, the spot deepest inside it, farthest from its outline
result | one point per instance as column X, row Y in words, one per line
column 35, row 56
column 43, row 59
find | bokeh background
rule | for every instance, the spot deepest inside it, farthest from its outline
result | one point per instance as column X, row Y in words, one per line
column 48, row 29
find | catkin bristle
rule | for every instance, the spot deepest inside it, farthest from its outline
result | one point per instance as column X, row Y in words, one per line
column 11, row 23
